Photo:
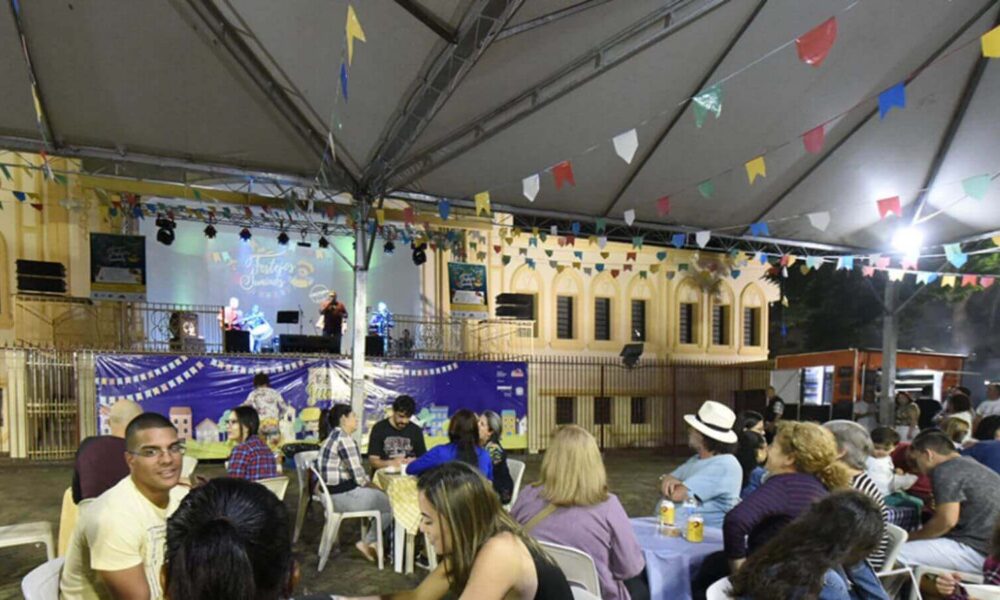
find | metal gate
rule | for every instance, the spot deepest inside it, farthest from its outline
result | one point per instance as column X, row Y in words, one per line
column 42, row 397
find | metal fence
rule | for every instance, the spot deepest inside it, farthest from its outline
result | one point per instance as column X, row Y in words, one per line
column 49, row 398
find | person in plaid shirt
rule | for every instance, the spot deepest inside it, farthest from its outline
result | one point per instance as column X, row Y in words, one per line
column 344, row 475
column 251, row 458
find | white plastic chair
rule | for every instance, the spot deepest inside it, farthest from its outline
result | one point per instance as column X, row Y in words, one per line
column 973, row 581
column 719, row 590
column 577, row 566
column 582, row 594
column 39, row 532
column 188, row 466
column 516, row 474
column 334, row 519
column 42, row 583
column 278, row 485
column 303, row 460
column 897, row 537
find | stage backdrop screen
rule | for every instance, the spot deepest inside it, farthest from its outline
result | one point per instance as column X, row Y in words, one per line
column 198, row 392
column 197, row 270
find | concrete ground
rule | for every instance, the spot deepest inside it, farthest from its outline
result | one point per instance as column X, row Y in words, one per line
column 33, row 492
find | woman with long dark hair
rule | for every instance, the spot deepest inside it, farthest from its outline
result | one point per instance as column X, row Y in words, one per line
column 229, row 540
column 819, row 555
column 751, row 452
column 490, row 430
column 463, row 446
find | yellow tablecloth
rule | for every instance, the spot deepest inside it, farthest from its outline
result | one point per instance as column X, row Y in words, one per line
column 402, row 492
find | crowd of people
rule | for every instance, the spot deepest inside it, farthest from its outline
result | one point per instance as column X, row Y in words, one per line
column 804, row 508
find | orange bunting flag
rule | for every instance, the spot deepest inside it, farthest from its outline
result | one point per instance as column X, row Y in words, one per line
column 968, row 280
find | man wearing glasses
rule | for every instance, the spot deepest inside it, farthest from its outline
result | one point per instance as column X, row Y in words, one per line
column 117, row 547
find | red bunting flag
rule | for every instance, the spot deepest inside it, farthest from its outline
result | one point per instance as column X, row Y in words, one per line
column 614, row 273
column 814, row 46
column 627, row 267
column 408, row 215
column 497, row 249
column 630, row 256
column 968, row 280
column 813, row 140
column 563, row 173
column 909, row 264
column 882, row 262
column 867, row 271
column 37, row 207
column 986, row 281
column 663, row 206
column 889, row 205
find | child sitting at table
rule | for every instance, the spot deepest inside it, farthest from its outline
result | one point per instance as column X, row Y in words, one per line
column 882, row 472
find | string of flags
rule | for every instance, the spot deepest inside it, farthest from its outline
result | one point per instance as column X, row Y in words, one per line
column 813, row 48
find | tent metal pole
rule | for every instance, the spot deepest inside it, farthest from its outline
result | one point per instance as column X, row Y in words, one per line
column 890, row 338
column 360, row 322
column 549, row 18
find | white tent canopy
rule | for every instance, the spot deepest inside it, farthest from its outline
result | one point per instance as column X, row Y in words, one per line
column 450, row 98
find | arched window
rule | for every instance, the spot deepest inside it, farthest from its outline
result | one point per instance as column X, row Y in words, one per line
column 567, row 288
column 527, row 281
column 689, row 313
column 640, row 309
column 604, row 300
column 723, row 303
column 753, row 317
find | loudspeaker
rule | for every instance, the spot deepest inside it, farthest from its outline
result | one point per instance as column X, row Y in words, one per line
column 630, row 354
column 235, row 340
column 374, row 346
column 288, row 317
column 306, row 344
column 518, row 306
column 40, row 276
column 40, row 268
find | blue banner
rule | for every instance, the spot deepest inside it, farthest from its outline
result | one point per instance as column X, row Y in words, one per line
column 198, row 392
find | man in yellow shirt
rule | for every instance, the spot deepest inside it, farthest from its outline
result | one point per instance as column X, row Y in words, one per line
column 116, row 551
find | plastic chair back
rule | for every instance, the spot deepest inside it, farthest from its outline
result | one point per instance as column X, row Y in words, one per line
column 516, row 468
column 324, row 494
column 278, row 485
column 188, row 466
column 42, row 583
column 582, row 594
column 67, row 522
column 719, row 590
column 577, row 566
column 897, row 537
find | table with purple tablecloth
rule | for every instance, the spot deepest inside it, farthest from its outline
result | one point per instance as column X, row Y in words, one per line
column 671, row 562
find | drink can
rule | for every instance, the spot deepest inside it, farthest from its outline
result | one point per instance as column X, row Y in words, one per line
column 696, row 529
column 666, row 513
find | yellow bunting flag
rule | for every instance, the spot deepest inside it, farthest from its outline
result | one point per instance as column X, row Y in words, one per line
column 354, row 31
column 483, row 204
column 380, row 215
column 991, row 43
column 948, row 281
column 756, row 168
column 996, row 241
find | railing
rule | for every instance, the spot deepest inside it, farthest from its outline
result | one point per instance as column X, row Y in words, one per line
column 49, row 397
column 416, row 336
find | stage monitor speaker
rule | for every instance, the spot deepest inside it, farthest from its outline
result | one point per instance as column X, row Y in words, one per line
column 39, row 276
column 288, row 317
column 374, row 346
column 235, row 340
column 40, row 268
column 306, row 344
column 517, row 306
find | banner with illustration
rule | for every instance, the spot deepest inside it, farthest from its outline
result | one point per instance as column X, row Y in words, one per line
column 197, row 394
column 117, row 267
column 467, row 290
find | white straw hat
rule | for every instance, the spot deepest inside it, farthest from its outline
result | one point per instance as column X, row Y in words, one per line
column 715, row 420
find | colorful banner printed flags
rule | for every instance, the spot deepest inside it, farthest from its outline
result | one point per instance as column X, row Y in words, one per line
column 353, row 31
column 814, row 46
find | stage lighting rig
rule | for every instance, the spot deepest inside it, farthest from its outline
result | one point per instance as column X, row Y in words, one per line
column 210, row 231
column 165, row 233
column 283, row 238
column 419, row 253
column 323, row 242
column 245, row 234
column 389, row 247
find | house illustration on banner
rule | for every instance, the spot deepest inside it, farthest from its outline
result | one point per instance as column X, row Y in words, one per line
column 181, row 417
column 207, row 431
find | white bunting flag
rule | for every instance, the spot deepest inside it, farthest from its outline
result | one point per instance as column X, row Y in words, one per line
column 530, row 187
column 702, row 238
column 819, row 220
column 626, row 145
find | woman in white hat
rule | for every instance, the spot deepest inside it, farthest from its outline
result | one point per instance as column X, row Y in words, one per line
column 712, row 476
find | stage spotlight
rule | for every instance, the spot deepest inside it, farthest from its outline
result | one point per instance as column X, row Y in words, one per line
column 283, row 238
column 165, row 233
column 210, row 232
column 323, row 242
column 389, row 247
column 419, row 253
column 245, row 234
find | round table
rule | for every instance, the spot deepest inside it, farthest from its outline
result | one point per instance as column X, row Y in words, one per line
column 671, row 562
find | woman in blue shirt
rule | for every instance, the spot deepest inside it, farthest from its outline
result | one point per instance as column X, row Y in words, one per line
column 463, row 446
column 819, row 555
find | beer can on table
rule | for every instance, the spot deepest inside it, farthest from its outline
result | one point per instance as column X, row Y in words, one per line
column 666, row 513
column 696, row 528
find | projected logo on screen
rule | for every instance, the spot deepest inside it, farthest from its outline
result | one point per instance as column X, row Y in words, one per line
column 268, row 274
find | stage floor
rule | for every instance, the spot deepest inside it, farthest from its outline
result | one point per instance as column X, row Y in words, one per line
column 33, row 492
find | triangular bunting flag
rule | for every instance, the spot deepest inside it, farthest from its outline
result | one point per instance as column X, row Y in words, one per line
column 661, row 256
column 637, row 241
column 627, row 268
column 626, row 145
column 678, row 240
column 602, row 241
column 813, row 140
column 629, row 216
column 600, row 225
column 575, row 227
column 845, row 263
column 976, row 186
column 605, row 255
column 354, row 32
column 708, row 101
column 498, row 248
column 533, row 242
column 948, row 281
column 505, row 259
column 986, row 281
column 819, row 220
column 630, row 256
column 706, row 188
column 444, row 209
column 615, row 273
column 968, row 280
column 760, row 229
column 530, row 186
column 599, row 267
column 756, row 168
column 702, row 238
column 954, row 254
column 814, row 262
column 578, row 255
column 814, row 46
column 888, row 206
column 895, row 275
column 343, row 80
column 563, row 174
column 483, row 204
column 894, row 97
column 548, row 253
column 654, row 268
column 990, row 42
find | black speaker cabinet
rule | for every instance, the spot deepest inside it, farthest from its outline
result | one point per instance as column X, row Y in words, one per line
column 236, row 341
column 374, row 346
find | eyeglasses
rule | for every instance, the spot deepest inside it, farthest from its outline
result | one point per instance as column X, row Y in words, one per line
column 148, row 452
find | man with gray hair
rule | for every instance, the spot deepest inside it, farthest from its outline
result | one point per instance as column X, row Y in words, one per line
column 100, row 459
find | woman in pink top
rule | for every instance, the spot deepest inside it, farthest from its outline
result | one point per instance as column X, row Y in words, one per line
column 585, row 516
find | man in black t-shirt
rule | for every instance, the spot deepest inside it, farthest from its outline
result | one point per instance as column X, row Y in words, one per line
column 395, row 441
